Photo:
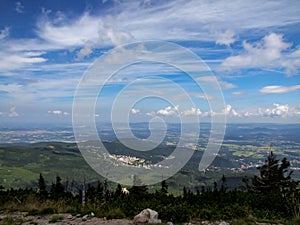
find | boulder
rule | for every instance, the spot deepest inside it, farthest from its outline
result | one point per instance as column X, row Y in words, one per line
column 146, row 216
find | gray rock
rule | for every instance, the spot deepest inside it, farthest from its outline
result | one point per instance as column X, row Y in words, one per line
column 154, row 221
column 145, row 216
column 224, row 223
column 2, row 217
column 170, row 223
column 85, row 217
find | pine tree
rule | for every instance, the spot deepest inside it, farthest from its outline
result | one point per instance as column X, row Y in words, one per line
column 57, row 189
column 138, row 187
column 274, row 176
column 223, row 185
column 118, row 191
column 275, row 181
column 164, row 187
column 42, row 187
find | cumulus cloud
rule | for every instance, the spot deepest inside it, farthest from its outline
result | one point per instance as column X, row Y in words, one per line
column 277, row 110
column 12, row 112
column 225, row 38
column 85, row 51
column 168, row 111
column 151, row 113
column 4, row 33
column 58, row 112
column 135, row 111
column 297, row 110
column 269, row 52
column 19, row 7
column 230, row 111
column 276, row 89
column 192, row 112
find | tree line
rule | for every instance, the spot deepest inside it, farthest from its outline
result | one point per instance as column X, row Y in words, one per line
column 272, row 194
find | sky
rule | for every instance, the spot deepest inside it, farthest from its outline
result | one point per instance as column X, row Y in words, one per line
column 252, row 48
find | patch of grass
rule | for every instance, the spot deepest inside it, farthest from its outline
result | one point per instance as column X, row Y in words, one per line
column 56, row 218
column 11, row 221
column 115, row 214
column 47, row 211
column 294, row 221
column 242, row 222
column 33, row 212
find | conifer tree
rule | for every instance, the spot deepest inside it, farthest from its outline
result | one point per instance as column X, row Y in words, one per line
column 274, row 177
column 42, row 187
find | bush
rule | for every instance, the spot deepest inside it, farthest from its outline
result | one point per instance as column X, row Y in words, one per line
column 47, row 211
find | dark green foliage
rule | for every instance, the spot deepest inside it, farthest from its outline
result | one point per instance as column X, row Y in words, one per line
column 274, row 177
column 138, row 188
column 57, row 189
column 115, row 214
column 164, row 187
column 206, row 203
column 42, row 187
column 276, row 187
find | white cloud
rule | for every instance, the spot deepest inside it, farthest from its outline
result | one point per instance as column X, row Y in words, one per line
column 86, row 31
column 192, row 112
column 267, row 52
column 278, row 110
column 85, row 51
column 212, row 79
column 297, row 110
column 75, row 33
column 10, row 60
column 12, row 112
column 225, row 38
column 226, row 85
column 168, row 111
column 167, row 21
column 135, row 21
column 151, row 113
column 4, row 33
column 230, row 111
column 201, row 95
column 238, row 93
column 276, row 89
column 135, row 111
column 19, row 7
column 11, row 88
column 208, row 79
column 58, row 112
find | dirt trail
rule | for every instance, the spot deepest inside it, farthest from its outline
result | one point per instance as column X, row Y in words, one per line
column 61, row 219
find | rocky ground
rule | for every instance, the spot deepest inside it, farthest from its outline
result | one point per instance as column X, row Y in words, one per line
column 67, row 219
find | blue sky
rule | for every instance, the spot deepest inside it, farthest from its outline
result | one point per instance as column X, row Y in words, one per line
column 252, row 48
